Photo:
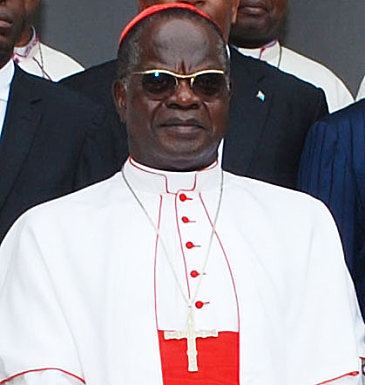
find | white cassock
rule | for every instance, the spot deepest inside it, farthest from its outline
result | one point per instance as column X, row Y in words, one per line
column 361, row 92
column 337, row 94
column 85, row 286
column 41, row 60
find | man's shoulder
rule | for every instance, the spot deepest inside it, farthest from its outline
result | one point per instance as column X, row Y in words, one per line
column 277, row 199
column 353, row 113
column 60, row 58
column 59, row 103
column 68, row 214
column 74, row 206
column 304, row 63
column 342, row 131
column 282, row 80
column 95, row 83
column 101, row 73
column 54, row 92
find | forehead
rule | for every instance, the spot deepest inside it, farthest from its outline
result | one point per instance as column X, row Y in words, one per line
column 175, row 43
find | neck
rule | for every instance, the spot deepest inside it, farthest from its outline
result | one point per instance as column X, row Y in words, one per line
column 25, row 37
column 176, row 166
column 252, row 44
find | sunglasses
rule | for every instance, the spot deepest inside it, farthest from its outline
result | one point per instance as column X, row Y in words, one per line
column 207, row 84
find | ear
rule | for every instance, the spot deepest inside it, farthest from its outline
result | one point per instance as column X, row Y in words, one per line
column 235, row 5
column 120, row 99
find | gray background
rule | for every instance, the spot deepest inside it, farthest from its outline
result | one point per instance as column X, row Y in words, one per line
column 330, row 31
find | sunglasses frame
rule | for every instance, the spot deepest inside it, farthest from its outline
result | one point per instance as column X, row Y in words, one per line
column 192, row 76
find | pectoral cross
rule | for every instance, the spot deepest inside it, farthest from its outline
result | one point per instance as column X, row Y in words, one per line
column 191, row 335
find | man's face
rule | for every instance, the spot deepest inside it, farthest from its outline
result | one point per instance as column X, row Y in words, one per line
column 223, row 12
column 182, row 130
column 12, row 14
column 258, row 22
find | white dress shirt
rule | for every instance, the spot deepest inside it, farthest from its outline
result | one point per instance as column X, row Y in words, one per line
column 337, row 94
column 6, row 77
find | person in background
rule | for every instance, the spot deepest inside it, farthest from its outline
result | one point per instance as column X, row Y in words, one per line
column 256, row 33
column 173, row 271
column 35, row 57
column 333, row 170
column 52, row 141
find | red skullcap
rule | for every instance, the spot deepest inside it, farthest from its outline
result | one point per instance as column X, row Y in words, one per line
column 157, row 9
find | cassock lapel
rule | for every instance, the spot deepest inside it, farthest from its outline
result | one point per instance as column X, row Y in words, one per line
column 250, row 104
column 21, row 121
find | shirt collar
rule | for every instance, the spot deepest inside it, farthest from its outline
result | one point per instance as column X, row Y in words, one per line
column 21, row 53
column 269, row 52
column 6, row 77
column 159, row 181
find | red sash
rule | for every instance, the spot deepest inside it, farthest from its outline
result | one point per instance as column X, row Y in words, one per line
column 218, row 360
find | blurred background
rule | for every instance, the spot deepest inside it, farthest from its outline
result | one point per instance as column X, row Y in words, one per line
column 330, row 31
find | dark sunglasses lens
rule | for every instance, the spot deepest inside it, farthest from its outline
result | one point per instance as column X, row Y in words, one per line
column 210, row 85
column 158, row 84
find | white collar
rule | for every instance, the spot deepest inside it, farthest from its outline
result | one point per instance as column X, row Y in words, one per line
column 29, row 50
column 269, row 52
column 6, row 77
column 159, row 181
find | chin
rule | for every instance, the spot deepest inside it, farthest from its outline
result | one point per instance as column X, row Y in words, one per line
column 189, row 161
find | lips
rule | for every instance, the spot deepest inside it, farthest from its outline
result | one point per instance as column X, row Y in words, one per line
column 182, row 126
column 5, row 22
column 255, row 8
column 177, row 122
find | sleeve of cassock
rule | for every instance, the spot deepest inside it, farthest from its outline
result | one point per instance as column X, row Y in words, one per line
column 36, row 345
column 331, row 334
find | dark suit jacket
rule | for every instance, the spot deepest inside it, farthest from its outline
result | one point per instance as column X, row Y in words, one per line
column 53, row 142
column 333, row 169
column 265, row 137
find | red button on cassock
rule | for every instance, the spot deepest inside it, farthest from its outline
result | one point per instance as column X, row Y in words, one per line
column 183, row 197
column 199, row 304
column 194, row 274
column 185, row 219
column 189, row 245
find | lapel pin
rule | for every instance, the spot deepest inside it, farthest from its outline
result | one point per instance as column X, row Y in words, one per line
column 261, row 96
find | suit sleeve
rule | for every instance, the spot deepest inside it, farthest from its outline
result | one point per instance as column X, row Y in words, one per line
column 332, row 153
column 326, row 173
column 35, row 339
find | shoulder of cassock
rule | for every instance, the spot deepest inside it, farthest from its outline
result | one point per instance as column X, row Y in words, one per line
column 248, row 200
column 287, row 231
column 261, row 210
column 281, row 225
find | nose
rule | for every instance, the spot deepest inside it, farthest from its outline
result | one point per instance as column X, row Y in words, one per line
column 183, row 97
